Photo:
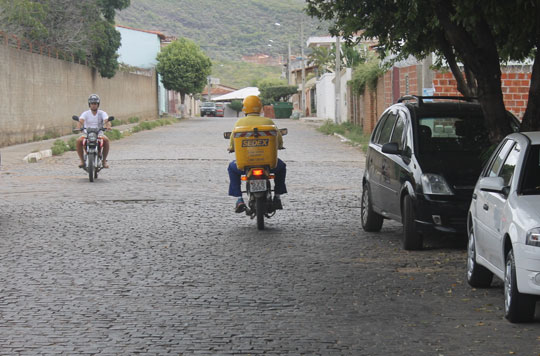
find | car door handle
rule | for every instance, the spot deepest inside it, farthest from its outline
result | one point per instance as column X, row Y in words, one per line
column 486, row 207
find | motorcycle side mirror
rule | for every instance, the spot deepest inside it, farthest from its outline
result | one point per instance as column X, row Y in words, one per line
column 283, row 132
column 226, row 135
column 75, row 118
column 111, row 118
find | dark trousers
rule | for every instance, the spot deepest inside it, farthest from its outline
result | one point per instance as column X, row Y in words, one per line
column 235, row 184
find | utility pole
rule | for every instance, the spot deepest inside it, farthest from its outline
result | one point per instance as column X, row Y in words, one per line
column 303, row 96
column 209, row 79
column 338, row 81
column 289, row 65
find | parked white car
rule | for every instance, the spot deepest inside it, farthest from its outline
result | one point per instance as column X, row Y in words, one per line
column 504, row 225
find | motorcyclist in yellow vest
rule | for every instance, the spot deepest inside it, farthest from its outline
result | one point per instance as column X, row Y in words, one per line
column 252, row 108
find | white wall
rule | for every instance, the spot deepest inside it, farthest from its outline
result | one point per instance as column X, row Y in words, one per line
column 325, row 97
column 138, row 48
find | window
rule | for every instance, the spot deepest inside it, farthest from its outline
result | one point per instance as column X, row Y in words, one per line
column 531, row 172
column 377, row 130
column 386, row 129
column 496, row 164
column 397, row 135
column 507, row 170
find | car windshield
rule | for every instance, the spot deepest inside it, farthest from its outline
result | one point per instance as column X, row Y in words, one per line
column 209, row 104
column 452, row 134
column 531, row 172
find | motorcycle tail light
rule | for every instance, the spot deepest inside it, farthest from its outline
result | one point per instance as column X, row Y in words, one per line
column 257, row 172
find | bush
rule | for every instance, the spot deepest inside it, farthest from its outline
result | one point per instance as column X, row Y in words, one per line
column 59, row 147
column 114, row 134
column 72, row 143
column 133, row 120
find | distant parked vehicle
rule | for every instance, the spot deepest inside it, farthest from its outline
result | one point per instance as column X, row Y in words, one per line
column 220, row 109
column 504, row 225
column 208, row 108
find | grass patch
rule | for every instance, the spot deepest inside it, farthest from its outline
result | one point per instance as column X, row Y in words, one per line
column 113, row 134
column 348, row 130
column 46, row 136
column 149, row 125
column 59, row 147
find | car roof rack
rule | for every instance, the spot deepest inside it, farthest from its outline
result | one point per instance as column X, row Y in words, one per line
column 420, row 99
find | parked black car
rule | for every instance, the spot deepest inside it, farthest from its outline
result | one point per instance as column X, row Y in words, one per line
column 423, row 160
column 208, row 108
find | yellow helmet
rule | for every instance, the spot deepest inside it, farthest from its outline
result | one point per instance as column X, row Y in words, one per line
column 252, row 105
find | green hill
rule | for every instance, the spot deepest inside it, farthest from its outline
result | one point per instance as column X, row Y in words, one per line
column 228, row 29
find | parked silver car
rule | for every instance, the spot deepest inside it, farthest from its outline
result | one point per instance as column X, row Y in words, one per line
column 504, row 225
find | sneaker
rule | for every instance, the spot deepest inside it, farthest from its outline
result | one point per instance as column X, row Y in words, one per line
column 276, row 204
column 240, row 206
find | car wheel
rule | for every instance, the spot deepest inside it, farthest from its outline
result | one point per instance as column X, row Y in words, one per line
column 477, row 276
column 412, row 240
column 518, row 307
column 371, row 221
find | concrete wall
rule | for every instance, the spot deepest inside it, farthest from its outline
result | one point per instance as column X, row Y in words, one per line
column 326, row 94
column 40, row 94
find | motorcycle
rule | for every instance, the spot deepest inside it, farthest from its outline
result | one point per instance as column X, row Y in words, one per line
column 256, row 154
column 93, row 149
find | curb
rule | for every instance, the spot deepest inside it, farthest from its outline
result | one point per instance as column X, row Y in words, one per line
column 36, row 156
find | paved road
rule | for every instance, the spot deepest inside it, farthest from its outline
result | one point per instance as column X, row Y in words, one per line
column 151, row 259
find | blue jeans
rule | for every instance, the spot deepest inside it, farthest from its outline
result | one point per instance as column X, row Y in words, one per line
column 235, row 184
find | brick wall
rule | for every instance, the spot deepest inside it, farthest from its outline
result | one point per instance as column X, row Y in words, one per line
column 515, row 87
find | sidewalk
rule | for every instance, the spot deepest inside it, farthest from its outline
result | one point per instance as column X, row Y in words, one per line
column 313, row 120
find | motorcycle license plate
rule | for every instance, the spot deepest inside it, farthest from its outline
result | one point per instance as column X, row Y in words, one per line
column 258, row 185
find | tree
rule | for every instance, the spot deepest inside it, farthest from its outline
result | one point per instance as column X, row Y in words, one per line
column 84, row 28
column 183, row 67
column 324, row 58
column 236, row 105
column 272, row 94
column 477, row 34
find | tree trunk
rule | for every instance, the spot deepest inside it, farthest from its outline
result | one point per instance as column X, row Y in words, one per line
column 479, row 54
column 491, row 99
column 531, row 118
column 182, row 106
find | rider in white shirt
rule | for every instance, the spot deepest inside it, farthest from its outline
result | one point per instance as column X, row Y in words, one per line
column 91, row 119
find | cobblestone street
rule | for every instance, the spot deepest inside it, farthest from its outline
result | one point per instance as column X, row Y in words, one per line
column 151, row 259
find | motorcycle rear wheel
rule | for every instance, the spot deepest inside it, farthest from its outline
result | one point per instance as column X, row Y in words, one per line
column 260, row 205
column 90, row 167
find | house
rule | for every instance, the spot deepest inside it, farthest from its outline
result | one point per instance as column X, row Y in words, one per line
column 139, row 48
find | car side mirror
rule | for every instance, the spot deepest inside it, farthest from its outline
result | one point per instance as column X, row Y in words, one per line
column 391, row 148
column 226, row 135
column 283, row 132
column 493, row 185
